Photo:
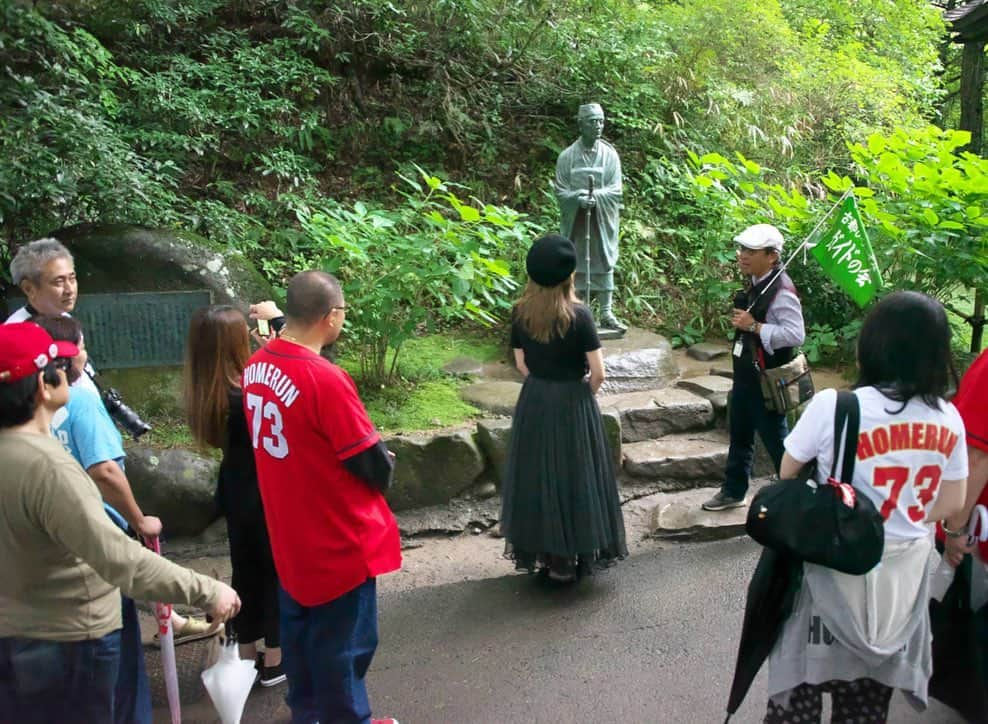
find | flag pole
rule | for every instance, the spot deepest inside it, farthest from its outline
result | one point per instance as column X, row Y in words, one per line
column 802, row 246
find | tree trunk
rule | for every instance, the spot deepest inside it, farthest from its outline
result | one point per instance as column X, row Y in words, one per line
column 978, row 324
column 972, row 88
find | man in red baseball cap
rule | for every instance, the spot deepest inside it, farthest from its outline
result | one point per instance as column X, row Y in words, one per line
column 63, row 558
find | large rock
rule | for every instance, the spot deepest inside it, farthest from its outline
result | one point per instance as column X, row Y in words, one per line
column 493, row 437
column 127, row 258
column 639, row 361
column 612, row 431
column 653, row 413
column 464, row 367
column 176, row 485
column 497, row 397
column 706, row 351
column 430, row 470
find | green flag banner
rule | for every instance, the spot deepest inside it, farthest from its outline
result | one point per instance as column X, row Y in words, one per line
column 845, row 254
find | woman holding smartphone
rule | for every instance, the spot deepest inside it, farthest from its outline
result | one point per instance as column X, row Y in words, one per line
column 217, row 350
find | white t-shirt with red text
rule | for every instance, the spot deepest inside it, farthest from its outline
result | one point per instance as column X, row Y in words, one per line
column 902, row 457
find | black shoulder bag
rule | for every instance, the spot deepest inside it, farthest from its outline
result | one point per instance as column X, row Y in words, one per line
column 833, row 524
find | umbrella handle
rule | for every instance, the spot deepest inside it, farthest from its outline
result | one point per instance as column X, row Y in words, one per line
column 162, row 611
column 977, row 527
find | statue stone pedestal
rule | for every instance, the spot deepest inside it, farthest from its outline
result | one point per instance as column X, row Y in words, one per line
column 637, row 360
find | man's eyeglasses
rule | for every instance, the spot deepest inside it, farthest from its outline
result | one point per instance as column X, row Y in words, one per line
column 344, row 308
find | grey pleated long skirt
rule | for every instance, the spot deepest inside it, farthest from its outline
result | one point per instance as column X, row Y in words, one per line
column 559, row 494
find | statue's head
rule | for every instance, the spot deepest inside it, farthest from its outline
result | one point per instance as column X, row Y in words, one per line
column 590, row 117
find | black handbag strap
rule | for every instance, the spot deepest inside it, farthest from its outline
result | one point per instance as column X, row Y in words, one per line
column 847, row 421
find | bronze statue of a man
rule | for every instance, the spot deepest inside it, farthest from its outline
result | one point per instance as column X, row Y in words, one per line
column 588, row 188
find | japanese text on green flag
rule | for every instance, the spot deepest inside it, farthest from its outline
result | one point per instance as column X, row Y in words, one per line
column 846, row 256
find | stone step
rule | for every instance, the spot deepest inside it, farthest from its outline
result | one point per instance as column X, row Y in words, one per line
column 680, row 515
column 682, row 460
column 685, row 460
column 651, row 414
column 713, row 388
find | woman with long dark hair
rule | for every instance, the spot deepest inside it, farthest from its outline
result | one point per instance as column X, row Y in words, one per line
column 218, row 349
column 859, row 638
column 561, row 511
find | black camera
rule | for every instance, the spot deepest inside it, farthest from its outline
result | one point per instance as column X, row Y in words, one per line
column 122, row 414
column 118, row 409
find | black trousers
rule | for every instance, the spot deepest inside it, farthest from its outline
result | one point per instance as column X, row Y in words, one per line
column 748, row 416
column 255, row 579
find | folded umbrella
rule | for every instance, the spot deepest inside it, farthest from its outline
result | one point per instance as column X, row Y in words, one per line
column 771, row 595
column 229, row 682
column 166, row 638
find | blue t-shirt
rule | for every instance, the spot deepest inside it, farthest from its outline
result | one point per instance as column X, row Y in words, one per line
column 85, row 429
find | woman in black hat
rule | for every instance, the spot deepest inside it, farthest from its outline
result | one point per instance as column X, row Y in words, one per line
column 561, row 511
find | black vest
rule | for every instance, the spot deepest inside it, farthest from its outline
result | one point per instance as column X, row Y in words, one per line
column 753, row 354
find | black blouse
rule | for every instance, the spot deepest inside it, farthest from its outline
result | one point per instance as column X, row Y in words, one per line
column 237, row 494
column 562, row 358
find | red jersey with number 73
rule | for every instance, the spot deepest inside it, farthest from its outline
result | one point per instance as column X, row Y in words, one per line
column 330, row 531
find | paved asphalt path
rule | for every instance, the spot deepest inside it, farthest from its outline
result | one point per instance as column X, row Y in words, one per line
column 652, row 640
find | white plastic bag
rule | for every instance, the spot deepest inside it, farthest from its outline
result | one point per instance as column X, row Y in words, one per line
column 940, row 579
column 229, row 682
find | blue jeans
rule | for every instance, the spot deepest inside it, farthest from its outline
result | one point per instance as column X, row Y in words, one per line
column 326, row 651
column 132, row 696
column 52, row 681
column 747, row 416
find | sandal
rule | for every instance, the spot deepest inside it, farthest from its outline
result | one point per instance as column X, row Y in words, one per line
column 193, row 630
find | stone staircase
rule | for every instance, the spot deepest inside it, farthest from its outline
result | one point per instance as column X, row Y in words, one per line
column 675, row 438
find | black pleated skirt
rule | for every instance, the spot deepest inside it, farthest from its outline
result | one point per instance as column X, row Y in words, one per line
column 560, row 496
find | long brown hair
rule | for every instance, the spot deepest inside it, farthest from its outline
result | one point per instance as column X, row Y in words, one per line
column 546, row 312
column 216, row 354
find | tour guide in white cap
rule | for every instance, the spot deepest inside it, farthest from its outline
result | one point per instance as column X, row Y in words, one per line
column 768, row 322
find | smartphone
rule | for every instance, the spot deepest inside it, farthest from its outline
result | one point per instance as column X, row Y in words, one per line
column 263, row 328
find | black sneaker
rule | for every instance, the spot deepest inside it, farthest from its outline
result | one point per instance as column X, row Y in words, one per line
column 272, row 675
column 723, row 501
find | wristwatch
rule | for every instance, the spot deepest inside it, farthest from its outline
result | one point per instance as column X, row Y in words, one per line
column 753, row 327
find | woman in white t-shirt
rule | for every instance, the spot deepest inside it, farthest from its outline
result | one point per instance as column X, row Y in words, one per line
column 860, row 637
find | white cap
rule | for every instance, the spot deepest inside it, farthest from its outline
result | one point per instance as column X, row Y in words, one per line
column 760, row 236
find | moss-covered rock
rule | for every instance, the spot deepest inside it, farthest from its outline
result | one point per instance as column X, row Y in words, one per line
column 128, row 258
column 432, row 469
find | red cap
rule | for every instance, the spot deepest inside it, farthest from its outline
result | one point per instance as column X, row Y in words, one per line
column 25, row 348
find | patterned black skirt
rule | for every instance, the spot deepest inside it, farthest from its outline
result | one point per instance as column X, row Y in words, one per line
column 560, row 496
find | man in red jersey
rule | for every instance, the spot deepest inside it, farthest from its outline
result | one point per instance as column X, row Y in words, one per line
column 972, row 402
column 321, row 468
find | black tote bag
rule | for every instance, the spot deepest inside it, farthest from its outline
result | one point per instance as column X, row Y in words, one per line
column 832, row 524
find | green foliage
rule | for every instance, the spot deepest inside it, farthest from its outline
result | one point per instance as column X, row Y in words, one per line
column 236, row 120
column 433, row 259
column 677, row 266
column 922, row 203
column 929, row 205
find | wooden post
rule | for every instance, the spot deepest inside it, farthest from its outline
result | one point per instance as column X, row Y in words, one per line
column 971, row 91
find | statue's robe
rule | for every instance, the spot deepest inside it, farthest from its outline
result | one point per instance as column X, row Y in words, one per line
column 573, row 168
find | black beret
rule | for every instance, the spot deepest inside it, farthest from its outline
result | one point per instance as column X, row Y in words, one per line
column 551, row 260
